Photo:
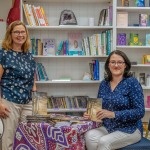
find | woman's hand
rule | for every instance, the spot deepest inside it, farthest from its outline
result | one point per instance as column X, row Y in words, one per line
column 103, row 113
column 86, row 116
column 4, row 111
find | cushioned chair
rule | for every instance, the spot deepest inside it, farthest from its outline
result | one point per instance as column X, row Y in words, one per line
column 144, row 144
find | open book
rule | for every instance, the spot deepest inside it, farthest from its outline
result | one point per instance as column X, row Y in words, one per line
column 93, row 106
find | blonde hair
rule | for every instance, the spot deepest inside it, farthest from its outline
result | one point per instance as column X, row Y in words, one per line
column 8, row 42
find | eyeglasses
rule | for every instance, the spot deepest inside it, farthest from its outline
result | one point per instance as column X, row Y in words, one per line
column 19, row 32
column 119, row 63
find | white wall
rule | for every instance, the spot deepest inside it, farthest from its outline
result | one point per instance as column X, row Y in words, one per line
column 5, row 6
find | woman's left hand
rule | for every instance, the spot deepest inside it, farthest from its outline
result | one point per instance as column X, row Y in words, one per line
column 103, row 113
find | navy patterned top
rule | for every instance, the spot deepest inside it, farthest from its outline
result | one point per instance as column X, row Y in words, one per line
column 126, row 101
column 18, row 77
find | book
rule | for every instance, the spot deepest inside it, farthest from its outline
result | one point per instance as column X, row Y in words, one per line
column 121, row 39
column 147, row 39
column 125, row 3
column 140, row 3
column 75, row 41
column 146, row 59
column 134, row 39
column 122, row 19
column 143, row 20
column 93, row 106
column 48, row 46
column 27, row 15
column 148, row 101
column 102, row 17
column 101, row 70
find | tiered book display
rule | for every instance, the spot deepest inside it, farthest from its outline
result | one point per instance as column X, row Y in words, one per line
column 66, row 69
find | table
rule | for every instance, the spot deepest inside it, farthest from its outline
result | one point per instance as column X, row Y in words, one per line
column 43, row 136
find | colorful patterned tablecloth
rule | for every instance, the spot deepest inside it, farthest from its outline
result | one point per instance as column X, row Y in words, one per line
column 43, row 136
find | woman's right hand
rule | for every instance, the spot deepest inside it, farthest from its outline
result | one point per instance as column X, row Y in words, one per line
column 4, row 111
column 86, row 116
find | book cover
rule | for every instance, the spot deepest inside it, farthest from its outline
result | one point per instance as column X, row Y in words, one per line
column 93, row 106
column 148, row 39
column 121, row 39
column 48, row 46
column 134, row 39
column 125, row 3
column 122, row 19
column 140, row 3
column 143, row 20
column 75, row 41
column 102, row 17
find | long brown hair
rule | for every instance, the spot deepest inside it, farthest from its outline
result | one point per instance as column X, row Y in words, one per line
column 8, row 42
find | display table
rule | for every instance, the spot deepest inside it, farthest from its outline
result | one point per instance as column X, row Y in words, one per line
column 43, row 136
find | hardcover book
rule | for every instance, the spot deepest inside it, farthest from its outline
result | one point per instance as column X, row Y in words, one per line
column 122, row 19
column 143, row 20
column 134, row 39
column 75, row 42
column 48, row 47
column 93, row 106
column 121, row 39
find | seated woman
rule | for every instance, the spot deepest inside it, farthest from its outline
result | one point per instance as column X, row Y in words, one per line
column 122, row 107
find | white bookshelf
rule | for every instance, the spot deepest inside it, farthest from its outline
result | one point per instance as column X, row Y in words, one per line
column 75, row 66
column 135, row 53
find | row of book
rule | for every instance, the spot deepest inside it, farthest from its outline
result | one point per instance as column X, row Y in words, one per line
column 41, row 74
column 133, row 39
column 35, row 15
column 106, row 17
column 68, row 102
column 97, row 70
column 97, row 44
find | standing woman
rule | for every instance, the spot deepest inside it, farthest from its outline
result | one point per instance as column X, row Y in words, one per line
column 17, row 76
column 122, row 107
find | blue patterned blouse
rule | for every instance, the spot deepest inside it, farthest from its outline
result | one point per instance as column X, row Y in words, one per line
column 126, row 101
column 18, row 77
